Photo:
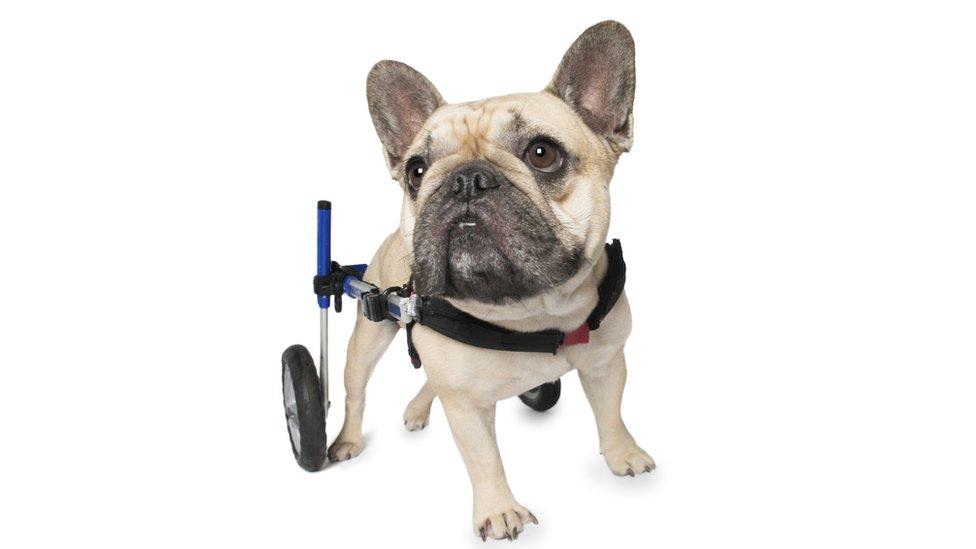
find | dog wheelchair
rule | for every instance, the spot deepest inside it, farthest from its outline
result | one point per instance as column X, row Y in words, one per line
column 306, row 392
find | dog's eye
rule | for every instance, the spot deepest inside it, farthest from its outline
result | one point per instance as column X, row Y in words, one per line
column 544, row 156
column 415, row 172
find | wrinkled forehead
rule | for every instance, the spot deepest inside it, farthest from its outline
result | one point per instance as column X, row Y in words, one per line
column 470, row 129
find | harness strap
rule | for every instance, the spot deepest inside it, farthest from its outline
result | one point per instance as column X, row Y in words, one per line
column 446, row 319
column 411, row 350
column 611, row 286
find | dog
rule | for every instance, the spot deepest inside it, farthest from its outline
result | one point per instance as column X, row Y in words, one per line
column 506, row 208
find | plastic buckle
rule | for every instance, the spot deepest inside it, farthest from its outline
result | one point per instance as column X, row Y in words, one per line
column 331, row 284
column 374, row 305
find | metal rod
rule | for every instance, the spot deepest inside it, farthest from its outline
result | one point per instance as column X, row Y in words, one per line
column 324, row 358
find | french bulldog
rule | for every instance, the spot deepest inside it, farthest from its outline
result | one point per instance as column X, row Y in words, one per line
column 506, row 208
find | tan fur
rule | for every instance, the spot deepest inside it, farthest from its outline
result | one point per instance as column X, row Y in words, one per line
column 469, row 380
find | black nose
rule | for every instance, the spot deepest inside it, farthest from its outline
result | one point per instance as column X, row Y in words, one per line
column 471, row 181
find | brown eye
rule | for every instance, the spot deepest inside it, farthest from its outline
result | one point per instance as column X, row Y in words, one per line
column 543, row 156
column 416, row 169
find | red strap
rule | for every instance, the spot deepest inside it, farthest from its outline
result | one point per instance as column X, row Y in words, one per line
column 577, row 336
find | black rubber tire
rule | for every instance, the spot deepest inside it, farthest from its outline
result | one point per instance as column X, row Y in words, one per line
column 542, row 397
column 297, row 364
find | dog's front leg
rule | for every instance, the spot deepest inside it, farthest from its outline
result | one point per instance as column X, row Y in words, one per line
column 496, row 513
column 604, row 388
column 366, row 346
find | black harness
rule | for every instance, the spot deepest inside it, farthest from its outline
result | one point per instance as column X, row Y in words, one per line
column 446, row 319
column 442, row 317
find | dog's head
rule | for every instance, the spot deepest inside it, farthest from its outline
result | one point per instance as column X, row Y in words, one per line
column 507, row 197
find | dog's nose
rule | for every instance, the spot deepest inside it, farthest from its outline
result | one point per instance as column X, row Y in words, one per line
column 471, row 181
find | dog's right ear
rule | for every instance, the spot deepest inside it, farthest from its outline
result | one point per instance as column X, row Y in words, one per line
column 400, row 101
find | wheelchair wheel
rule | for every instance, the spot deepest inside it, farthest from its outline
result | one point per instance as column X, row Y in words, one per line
column 304, row 413
column 542, row 397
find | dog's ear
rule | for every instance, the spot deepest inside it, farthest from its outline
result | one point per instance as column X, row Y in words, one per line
column 596, row 78
column 400, row 101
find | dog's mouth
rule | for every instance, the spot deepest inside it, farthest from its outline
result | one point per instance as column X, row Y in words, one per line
column 492, row 251
column 467, row 220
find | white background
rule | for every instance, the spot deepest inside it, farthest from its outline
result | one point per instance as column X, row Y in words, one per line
column 797, row 215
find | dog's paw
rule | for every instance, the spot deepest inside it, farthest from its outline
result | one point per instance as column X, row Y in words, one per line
column 343, row 449
column 415, row 423
column 417, row 414
column 628, row 459
column 505, row 522
column 416, row 417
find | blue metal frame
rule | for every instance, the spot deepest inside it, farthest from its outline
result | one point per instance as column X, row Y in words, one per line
column 324, row 255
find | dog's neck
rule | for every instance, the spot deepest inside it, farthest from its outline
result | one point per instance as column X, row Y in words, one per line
column 564, row 307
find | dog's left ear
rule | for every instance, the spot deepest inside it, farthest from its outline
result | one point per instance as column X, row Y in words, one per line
column 596, row 78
